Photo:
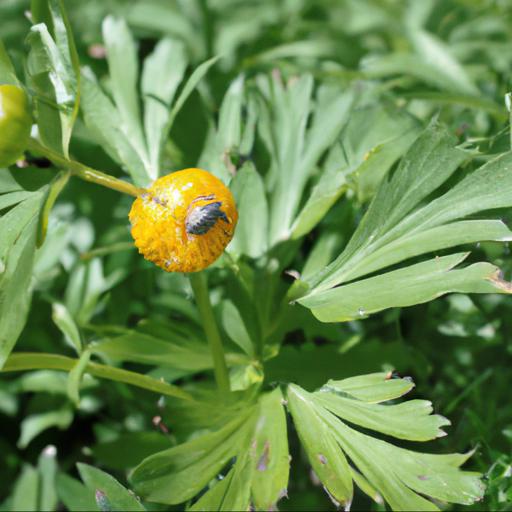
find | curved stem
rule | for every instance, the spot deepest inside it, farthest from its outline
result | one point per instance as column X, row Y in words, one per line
column 84, row 172
column 200, row 287
column 39, row 361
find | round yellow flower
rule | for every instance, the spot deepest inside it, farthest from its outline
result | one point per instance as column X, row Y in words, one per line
column 184, row 221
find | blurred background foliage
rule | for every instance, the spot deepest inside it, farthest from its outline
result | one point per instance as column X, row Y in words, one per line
column 444, row 58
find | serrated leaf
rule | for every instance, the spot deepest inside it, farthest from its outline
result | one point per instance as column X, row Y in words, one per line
column 117, row 495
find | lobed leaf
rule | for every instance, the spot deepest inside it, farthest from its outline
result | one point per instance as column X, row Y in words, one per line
column 404, row 478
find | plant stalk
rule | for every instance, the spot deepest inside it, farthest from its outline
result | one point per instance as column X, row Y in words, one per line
column 22, row 361
column 200, row 287
column 84, row 172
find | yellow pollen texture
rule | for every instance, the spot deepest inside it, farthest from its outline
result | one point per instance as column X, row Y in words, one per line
column 158, row 218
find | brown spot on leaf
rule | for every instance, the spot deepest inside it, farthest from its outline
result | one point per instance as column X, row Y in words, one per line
column 497, row 280
column 263, row 460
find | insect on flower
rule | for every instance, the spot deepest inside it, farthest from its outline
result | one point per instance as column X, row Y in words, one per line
column 184, row 221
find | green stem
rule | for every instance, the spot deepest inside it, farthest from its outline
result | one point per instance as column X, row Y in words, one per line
column 200, row 287
column 83, row 171
column 39, row 361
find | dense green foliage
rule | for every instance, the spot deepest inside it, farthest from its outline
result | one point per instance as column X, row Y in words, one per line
column 367, row 144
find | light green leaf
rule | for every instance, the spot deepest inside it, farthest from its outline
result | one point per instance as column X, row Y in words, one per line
column 47, row 466
column 325, row 457
column 75, row 377
column 178, row 474
column 162, row 73
column 253, row 434
column 435, row 53
column 371, row 388
column 174, row 352
column 404, row 478
column 271, row 457
column 407, row 286
column 26, row 490
column 33, row 425
column 104, row 121
column 188, row 88
column 410, row 420
column 235, row 328
column 67, row 325
column 17, row 248
column 7, row 73
column 252, row 227
column 123, row 67
column 118, row 496
column 75, row 496
column 54, row 189
column 398, row 226
column 223, row 144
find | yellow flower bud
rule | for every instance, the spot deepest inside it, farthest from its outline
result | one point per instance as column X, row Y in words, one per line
column 184, row 221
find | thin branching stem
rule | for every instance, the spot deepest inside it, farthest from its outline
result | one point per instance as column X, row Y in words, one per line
column 83, row 171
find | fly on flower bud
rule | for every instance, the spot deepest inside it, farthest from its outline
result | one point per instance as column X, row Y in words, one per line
column 184, row 221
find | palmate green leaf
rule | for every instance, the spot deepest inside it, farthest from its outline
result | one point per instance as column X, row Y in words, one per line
column 296, row 148
column 131, row 137
column 397, row 226
column 256, row 437
column 404, row 478
column 19, row 228
column 53, row 70
column 117, row 496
